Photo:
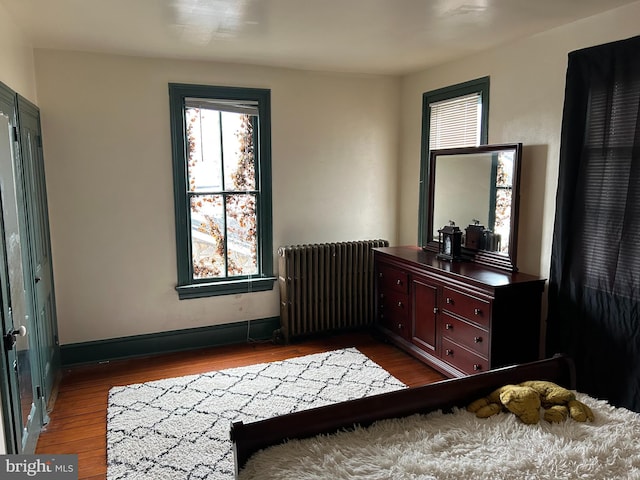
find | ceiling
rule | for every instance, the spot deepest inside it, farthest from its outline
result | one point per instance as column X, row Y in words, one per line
column 363, row 36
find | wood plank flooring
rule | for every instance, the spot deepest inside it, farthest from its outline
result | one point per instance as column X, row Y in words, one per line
column 78, row 419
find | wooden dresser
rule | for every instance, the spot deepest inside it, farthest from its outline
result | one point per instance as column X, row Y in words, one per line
column 460, row 318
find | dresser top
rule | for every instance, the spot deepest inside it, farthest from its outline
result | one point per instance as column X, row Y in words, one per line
column 482, row 274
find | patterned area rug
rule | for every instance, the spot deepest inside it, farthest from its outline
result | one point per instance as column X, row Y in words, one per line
column 178, row 428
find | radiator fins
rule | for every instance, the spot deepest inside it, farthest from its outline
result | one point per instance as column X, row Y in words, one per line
column 326, row 287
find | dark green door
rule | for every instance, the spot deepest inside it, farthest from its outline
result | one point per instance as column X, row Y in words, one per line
column 22, row 410
column 40, row 268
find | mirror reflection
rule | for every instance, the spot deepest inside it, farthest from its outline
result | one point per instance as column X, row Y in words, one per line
column 483, row 185
column 476, row 189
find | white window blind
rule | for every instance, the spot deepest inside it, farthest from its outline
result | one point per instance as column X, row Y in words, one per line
column 248, row 107
column 455, row 122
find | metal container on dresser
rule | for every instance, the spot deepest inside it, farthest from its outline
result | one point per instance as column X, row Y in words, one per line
column 459, row 317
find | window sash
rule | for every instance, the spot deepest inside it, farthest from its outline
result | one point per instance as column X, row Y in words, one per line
column 206, row 264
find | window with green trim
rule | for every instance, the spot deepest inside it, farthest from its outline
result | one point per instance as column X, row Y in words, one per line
column 222, row 189
column 452, row 117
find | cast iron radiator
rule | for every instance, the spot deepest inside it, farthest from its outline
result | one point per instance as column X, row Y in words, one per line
column 326, row 287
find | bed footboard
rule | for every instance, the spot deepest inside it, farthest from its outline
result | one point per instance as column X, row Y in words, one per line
column 251, row 437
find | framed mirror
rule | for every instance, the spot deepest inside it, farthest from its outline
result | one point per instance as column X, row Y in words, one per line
column 477, row 189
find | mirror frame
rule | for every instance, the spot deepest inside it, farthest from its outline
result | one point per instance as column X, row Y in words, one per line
column 485, row 257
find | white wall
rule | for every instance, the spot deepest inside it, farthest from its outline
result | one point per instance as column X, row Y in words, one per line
column 335, row 146
column 16, row 59
column 105, row 122
column 526, row 99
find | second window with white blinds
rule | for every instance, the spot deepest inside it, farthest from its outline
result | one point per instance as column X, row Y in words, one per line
column 455, row 122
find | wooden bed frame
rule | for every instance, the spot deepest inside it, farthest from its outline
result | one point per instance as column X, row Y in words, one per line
column 459, row 392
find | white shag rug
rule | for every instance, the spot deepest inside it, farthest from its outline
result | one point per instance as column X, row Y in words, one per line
column 178, row 428
column 462, row 447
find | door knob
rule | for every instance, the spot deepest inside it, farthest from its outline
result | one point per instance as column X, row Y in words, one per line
column 10, row 336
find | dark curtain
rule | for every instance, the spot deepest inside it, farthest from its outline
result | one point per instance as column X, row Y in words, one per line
column 594, row 283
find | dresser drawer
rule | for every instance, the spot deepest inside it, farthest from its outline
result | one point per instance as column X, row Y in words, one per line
column 471, row 308
column 463, row 359
column 391, row 278
column 396, row 322
column 465, row 334
column 392, row 302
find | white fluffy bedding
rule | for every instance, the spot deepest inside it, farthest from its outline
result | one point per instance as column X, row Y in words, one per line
column 460, row 446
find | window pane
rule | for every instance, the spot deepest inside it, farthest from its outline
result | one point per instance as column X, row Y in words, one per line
column 207, row 236
column 505, row 169
column 204, row 149
column 238, row 147
column 503, row 217
column 221, row 144
column 242, row 234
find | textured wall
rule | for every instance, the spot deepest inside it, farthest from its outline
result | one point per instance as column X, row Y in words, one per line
column 108, row 162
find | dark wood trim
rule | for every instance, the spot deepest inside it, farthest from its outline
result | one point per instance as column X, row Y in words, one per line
column 166, row 342
column 251, row 437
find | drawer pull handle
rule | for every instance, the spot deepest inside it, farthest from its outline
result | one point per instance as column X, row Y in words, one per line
column 380, row 275
column 399, row 326
column 449, row 301
column 448, row 326
column 476, row 367
column 400, row 304
column 435, row 309
column 398, row 282
column 477, row 311
column 382, row 295
column 448, row 352
column 477, row 339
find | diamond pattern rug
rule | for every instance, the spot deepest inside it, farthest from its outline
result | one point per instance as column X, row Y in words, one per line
column 178, row 428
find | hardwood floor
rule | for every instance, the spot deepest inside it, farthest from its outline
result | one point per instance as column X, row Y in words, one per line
column 78, row 420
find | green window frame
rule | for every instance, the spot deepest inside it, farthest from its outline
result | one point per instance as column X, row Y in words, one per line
column 189, row 285
column 479, row 86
